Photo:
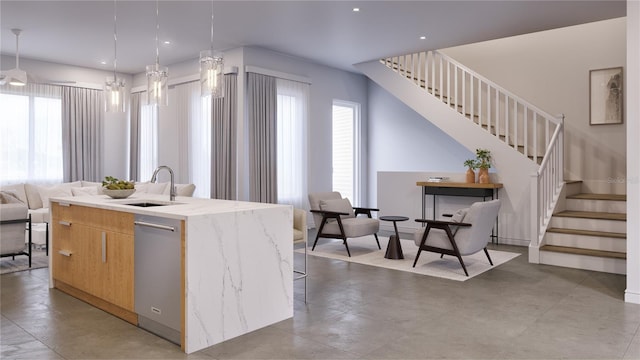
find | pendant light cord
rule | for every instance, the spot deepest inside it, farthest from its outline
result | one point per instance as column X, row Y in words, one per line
column 157, row 31
column 115, row 39
column 212, row 28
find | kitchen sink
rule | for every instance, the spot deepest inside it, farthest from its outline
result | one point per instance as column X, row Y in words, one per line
column 150, row 204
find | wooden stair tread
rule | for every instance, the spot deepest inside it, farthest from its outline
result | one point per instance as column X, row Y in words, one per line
column 585, row 196
column 592, row 215
column 588, row 252
column 587, row 233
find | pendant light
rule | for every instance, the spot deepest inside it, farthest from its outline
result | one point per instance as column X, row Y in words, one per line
column 157, row 75
column 114, row 87
column 211, row 69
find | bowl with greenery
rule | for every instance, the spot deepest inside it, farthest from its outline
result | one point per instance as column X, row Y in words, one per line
column 116, row 188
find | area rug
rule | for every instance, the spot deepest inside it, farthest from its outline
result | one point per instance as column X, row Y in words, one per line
column 365, row 251
column 39, row 260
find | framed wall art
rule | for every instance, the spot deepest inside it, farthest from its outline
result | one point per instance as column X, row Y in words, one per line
column 605, row 96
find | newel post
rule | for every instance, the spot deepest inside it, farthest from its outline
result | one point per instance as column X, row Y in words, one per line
column 534, row 245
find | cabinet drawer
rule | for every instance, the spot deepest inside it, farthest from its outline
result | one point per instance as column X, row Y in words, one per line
column 115, row 221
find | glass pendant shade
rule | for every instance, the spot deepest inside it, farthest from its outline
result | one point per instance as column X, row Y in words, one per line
column 114, row 91
column 211, row 74
column 157, row 85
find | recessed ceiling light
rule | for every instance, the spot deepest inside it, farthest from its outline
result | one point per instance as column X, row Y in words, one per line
column 423, row 37
column 103, row 62
column 167, row 42
column 356, row 9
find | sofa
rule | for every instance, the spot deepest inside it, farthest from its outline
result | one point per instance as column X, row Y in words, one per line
column 36, row 197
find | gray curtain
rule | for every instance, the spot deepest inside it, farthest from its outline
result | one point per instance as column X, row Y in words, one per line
column 82, row 112
column 134, row 140
column 262, row 107
column 223, row 141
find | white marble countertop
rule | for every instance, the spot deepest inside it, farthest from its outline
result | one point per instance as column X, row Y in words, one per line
column 182, row 208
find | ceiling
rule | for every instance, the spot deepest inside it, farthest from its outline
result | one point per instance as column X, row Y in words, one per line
column 80, row 33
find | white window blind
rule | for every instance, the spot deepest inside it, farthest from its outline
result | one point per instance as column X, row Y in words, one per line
column 292, row 103
column 148, row 141
column 345, row 116
column 31, row 141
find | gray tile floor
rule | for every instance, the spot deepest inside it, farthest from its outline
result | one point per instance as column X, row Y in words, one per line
column 515, row 311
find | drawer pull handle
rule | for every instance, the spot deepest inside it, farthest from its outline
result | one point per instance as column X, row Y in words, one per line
column 155, row 226
column 66, row 253
column 64, row 204
column 104, row 247
column 64, row 223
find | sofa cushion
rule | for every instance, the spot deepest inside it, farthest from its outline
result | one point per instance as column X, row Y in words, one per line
column 18, row 189
column 151, row 188
column 97, row 185
column 61, row 190
column 181, row 189
column 10, row 197
column 33, row 193
column 39, row 215
column 84, row 191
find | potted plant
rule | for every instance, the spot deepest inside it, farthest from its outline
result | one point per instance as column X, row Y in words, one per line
column 471, row 165
column 483, row 160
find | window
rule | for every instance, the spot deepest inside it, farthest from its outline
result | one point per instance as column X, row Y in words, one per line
column 346, row 118
column 31, row 128
column 148, row 140
column 292, row 100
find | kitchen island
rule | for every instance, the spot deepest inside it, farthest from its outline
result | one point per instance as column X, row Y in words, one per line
column 235, row 261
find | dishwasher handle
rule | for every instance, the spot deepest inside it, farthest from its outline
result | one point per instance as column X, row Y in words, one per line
column 155, row 226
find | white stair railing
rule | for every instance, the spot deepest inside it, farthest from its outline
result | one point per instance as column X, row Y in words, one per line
column 519, row 124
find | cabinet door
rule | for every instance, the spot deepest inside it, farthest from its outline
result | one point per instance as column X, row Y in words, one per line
column 116, row 268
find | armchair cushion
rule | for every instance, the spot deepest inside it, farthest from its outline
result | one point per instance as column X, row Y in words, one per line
column 353, row 227
column 338, row 205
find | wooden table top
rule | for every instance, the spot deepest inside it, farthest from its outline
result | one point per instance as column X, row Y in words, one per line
column 459, row 185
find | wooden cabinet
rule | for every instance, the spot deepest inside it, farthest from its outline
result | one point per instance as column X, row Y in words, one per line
column 93, row 253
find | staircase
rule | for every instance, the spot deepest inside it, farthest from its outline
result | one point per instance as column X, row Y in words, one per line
column 589, row 231
column 589, row 234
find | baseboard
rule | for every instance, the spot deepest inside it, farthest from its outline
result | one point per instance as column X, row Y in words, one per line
column 631, row 297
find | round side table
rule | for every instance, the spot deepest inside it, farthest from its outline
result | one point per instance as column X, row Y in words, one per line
column 394, row 249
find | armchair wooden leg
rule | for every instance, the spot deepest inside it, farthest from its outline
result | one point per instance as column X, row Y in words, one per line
column 376, row 236
column 462, row 263
column 488, row 257
column 417, row 256
column 347, row 246
column 314, row 243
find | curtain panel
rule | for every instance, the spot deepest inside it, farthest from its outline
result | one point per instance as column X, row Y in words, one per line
column 262, row 108
column 134, row 136
column 82, row 113
column 223, row 141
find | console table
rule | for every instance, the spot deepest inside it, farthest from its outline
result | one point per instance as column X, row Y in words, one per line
column 457, row 189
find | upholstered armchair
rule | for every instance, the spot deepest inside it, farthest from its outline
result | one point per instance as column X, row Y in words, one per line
column 335, row 218
column 467, row 233
column 13, row 218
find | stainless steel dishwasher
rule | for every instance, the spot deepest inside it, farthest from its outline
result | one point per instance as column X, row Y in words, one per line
column 157, row 275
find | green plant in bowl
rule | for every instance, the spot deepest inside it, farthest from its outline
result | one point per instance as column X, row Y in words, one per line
column 116, row 188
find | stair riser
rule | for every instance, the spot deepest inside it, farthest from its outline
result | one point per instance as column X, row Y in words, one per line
column 597, row 205
column 589, row 224
column 586, row 242
column 594, row 263
column 573, row 188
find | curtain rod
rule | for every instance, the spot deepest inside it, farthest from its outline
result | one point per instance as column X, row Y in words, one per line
column 277, row 74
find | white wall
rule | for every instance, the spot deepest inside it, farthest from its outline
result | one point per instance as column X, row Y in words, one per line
column 401, row 140
column 632, row 293
column 551, row 70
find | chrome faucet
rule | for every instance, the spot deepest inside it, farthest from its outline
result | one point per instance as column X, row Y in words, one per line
column 172, row 191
